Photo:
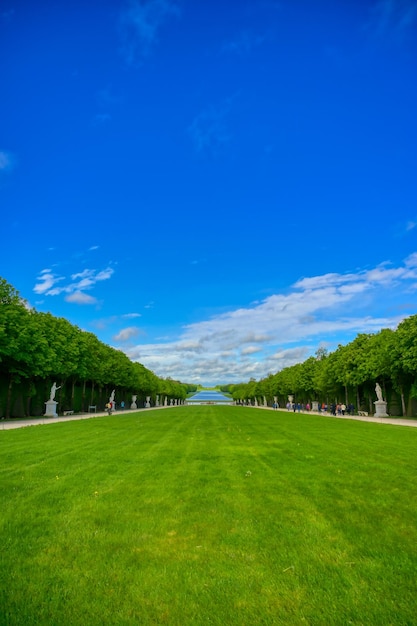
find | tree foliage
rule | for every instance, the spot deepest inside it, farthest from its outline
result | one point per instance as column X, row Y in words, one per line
column 349, row 373
column 37, row 348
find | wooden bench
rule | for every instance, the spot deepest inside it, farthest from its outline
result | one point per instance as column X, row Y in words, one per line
column 68, row 413
column 363, row 413
column 93, row 406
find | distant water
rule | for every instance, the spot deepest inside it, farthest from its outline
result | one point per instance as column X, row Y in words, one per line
column 209, row 396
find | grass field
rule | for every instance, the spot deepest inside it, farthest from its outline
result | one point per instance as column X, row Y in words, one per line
column 209, row 515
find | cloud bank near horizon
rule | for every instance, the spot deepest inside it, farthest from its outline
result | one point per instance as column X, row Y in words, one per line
column 283, row 329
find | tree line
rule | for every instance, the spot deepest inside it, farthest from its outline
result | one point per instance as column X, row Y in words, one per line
column 37, row 349
column 349, row 374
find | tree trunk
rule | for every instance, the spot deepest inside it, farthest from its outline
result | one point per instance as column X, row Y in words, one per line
column 83, row 397
column 29, row 398
column 9, row 396
column 92, row 394
column 358, row 400
column 62, row 393
column 403, row 403
column 346, row 395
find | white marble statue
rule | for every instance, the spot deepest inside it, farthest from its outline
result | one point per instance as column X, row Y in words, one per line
column 54, row 389
column 378, row 392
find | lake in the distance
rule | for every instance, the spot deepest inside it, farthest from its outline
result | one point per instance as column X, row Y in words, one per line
column 204, row 397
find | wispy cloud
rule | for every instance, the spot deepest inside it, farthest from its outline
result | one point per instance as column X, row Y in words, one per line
column 393, row 18
column 284, row 329
column 140, row 25
column 7, row 161
column 47, row 280
column 51, row 284
column 7, row 15
column 209, row 130
column 101, row 118
column 106, row 322
column 242, row 44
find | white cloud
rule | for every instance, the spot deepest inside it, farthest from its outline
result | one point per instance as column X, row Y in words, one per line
column 126, row 333
column 251, row 350
column 50, row 284
column 78, row 297
column 47, row 280
column 284, row 329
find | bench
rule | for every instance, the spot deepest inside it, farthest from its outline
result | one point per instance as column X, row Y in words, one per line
column 68, row 413
column 363, row 413
column 92, row 407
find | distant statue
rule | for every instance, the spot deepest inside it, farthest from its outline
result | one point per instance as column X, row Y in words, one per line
column 378, row 392
column 54, row 389
column 111, row 399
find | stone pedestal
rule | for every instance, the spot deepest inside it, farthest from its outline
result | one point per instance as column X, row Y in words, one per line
column 50, row 410
column 314, row 405
column 133, row 406
column 380, row 408
column 148, row 402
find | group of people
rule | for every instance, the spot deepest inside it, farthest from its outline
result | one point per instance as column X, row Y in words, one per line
column 334, row 409
column 297, row 406
column 342, row 409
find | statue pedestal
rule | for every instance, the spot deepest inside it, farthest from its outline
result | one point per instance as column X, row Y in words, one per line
column 380, row 408
column 51, row 408
column 133, row 405
column 315, row 405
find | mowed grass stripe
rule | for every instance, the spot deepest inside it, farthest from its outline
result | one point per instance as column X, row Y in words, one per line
column 207, row 514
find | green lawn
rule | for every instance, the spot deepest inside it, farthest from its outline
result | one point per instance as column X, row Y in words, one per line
column 209, row 515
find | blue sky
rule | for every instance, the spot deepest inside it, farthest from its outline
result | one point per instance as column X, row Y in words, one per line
column 216, row 188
